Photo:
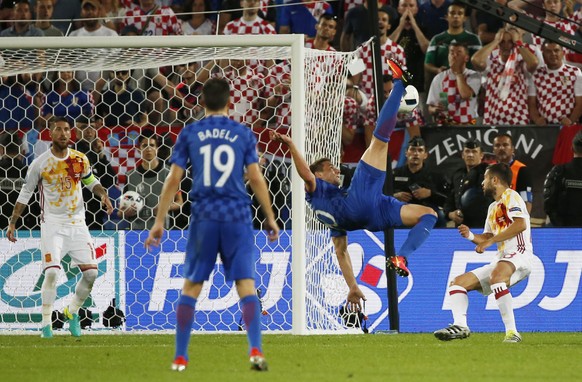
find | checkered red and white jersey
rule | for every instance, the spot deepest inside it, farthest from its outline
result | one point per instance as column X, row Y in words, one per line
column 163, row 22
column 351, row 113
column 390, row 50
column 569, row 26
column 404, row 119
column 281, row 73
column 514, row 109
column 309, row 44
column 257, row 26
column 247, row 92
column 556, row 91
column 459, row 111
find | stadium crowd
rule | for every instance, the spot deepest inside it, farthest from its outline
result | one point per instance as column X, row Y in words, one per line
column 468, row 69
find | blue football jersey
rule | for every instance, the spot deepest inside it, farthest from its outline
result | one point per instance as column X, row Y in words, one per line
column 219, row 149
column 361, row 206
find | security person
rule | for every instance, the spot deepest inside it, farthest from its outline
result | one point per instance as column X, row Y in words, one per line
column 563, row 190
column 466, row 203
column 416, row 183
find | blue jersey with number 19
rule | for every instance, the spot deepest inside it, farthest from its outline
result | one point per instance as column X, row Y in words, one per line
column 219, row 149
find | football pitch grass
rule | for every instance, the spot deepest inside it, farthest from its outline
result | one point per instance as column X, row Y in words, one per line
column 371, row 357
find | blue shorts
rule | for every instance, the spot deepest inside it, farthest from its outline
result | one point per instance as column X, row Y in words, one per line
column 366, row 200
column 234, row 241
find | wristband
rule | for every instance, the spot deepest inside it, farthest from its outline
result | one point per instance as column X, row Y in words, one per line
column 519, row 44
column 471, row 236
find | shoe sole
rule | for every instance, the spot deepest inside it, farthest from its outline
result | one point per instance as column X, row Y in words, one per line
column 449, row 337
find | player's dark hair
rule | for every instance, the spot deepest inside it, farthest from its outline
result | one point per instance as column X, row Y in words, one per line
column 577, row 143
column 317, row 166
column 501, row 171
column 504, row 135
column 56, row 118
column 216, row 93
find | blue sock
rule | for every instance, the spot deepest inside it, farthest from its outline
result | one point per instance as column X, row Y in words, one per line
column 251, row 311
column 418, row 234
column 184, row 319
column 387, row 117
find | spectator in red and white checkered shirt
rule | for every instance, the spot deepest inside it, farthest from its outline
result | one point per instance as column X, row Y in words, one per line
column 389, row 51
column 250, row 22
column 324, row 35
column 452, row 98
column 555, row 90
column 508, row 63
column 560, row 15
column 152, row 20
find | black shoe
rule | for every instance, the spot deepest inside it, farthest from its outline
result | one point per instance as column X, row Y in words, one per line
column 452, row 332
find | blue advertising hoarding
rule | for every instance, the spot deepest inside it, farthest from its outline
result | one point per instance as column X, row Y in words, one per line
column 549, row 300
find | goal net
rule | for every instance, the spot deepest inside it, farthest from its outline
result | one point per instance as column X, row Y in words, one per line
column 128, row 98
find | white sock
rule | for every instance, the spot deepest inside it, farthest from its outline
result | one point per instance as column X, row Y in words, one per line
column 48, row 292
column 505, row 303
column 459, row 305
column 83, row 289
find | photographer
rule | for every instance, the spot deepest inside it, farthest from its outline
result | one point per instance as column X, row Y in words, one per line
column 417, row 184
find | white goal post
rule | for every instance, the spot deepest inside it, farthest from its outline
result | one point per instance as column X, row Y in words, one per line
column 317, row 83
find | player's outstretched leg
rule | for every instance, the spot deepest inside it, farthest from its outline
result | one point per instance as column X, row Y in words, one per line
column 49, row 295
column 184, row 319
column 389, row 113
column 251, row 310
column 423, row 219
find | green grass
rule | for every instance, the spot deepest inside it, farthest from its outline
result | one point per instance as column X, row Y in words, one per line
column 374, row 357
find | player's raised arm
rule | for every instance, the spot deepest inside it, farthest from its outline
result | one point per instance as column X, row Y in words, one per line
column 300, row 163
column 169, row 191
column 355, row 295
column 259, row 186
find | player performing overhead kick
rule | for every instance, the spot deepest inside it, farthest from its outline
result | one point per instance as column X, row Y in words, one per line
column 362, row 205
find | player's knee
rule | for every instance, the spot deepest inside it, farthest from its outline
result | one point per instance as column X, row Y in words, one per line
column 90, row 275
column 50, row 277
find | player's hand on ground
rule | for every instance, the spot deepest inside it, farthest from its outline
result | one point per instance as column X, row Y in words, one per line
column 464, row 230
column 272, row 229
column 483, row 246
column 282, row 138
column 107, row 204
column 154, row 237
column 355, row 297
column 11, row 233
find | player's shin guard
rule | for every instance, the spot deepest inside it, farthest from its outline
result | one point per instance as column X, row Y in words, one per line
column 459, row 304
column 184, row 319
column 49, row 294
column 83, row 289
column 418, row 234
column 251, row 310
column 387, row 117
column 505, row 303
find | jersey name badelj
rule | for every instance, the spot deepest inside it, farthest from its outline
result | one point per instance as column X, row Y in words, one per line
column 217, row 133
